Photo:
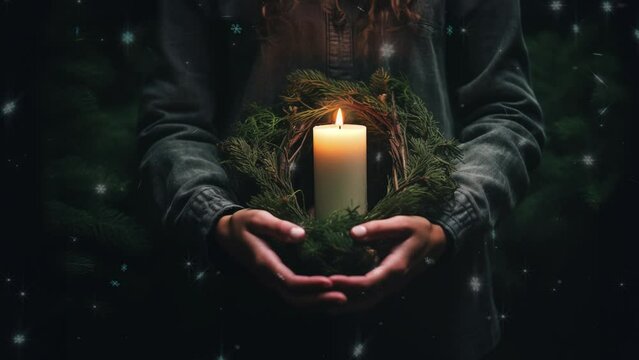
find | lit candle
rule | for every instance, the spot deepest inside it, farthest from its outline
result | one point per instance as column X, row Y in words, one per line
column 339, row 153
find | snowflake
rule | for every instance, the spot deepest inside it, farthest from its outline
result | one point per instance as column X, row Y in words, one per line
column 128, row 38
column 588, row 160
column 100, row 189
column 475, row 284
column 463, row 30
column 236, row 29
column 19, row 339
column 606, row 7
column 378, row 156
column 199, row 275
column 429, row 261
column 636, row 34
column 556, row 5
column 599, row 79
column 576, row 29
column 358, row 350
column 124, row 267
column 9, row 108
column 115, row 283
column 449, row 30
column 386, row 51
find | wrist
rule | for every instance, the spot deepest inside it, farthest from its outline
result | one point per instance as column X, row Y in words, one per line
column 447, row 240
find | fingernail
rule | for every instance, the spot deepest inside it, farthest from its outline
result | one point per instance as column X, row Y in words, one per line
column 358, row 231
column 297, row 232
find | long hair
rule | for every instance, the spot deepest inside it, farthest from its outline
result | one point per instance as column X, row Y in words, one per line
column 374, row 16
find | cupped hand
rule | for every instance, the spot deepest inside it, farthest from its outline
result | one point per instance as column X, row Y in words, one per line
column 243, row 236
column 418, row 244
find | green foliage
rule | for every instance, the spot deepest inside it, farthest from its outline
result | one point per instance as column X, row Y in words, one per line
column 79, row 265
column 268, row 142
column 107, row 226
column 579, row 90
column 579, row 85
column 89, row 166
column 93, row 72
column 328, row 248
column 571, row 130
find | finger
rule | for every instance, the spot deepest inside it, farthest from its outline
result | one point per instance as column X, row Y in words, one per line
column 287, row 279
column 376, row 280
column 270, row 267
column 387, row 278
column 305, row 284
column 265, row 224
column 396, row 227
column 351, row 283
column 392, row 269
column 369, row 290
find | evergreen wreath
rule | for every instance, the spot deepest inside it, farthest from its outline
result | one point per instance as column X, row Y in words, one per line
column 267, row 142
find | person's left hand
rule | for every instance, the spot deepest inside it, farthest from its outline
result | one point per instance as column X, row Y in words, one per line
column 419, row 244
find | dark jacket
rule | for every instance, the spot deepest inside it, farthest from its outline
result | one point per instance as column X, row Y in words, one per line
column 466, row 59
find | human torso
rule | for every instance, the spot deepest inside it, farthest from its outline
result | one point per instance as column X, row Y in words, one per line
column 252, row 62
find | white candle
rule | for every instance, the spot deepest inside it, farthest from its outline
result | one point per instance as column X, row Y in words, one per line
column 339, row 153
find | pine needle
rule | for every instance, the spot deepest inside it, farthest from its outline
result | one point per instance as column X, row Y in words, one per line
column 267, row 142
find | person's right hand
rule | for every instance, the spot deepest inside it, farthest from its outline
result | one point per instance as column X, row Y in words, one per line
column 242, row 236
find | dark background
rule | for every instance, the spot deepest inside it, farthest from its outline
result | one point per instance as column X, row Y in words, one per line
column 577, row 299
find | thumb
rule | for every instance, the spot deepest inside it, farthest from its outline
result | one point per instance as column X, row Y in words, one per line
column 285, row 231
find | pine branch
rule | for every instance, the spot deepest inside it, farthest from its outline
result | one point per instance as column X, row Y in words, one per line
column 267, row 143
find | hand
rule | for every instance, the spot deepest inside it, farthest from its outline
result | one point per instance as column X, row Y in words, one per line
column 419, row 244
column 242, row 236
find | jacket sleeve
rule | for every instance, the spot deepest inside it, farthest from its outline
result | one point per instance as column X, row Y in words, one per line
column 180, row 166
column 499, row 121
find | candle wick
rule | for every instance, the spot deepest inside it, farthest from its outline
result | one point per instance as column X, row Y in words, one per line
column 340, row 127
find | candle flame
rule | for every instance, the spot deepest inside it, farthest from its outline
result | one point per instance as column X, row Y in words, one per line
column 339, row 120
